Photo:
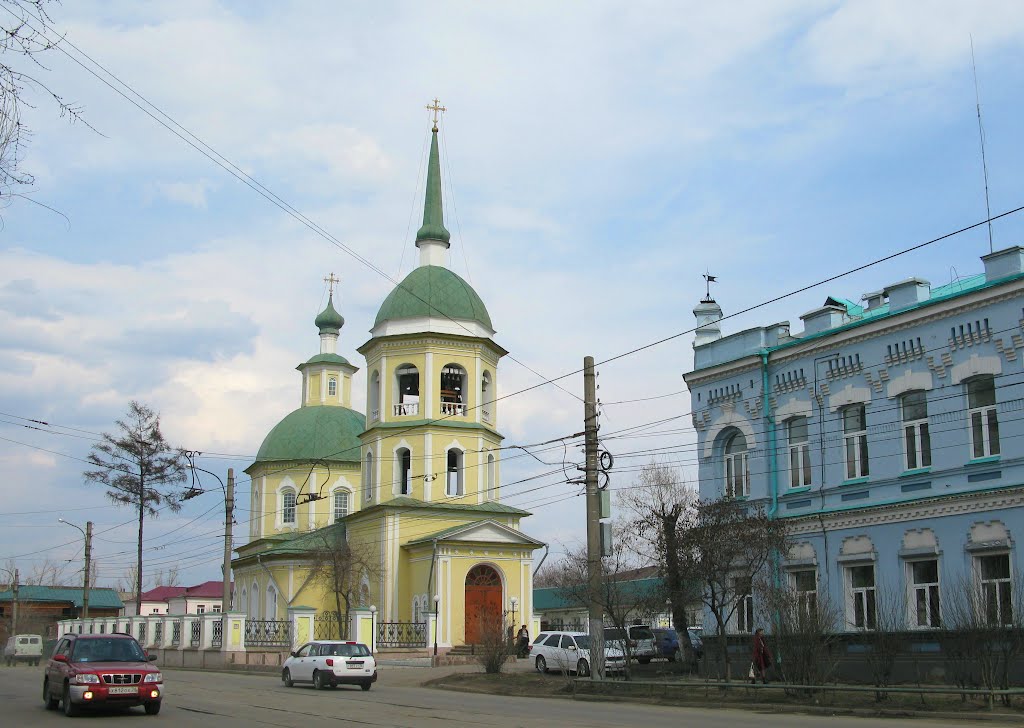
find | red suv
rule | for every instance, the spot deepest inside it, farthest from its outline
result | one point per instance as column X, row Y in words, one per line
column 104, row 670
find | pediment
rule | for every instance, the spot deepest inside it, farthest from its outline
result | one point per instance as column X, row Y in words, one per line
column 481, row 532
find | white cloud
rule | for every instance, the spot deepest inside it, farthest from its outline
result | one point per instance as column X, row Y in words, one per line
column 186, row 193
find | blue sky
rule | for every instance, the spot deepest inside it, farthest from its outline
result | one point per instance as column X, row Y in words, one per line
column 598, row 157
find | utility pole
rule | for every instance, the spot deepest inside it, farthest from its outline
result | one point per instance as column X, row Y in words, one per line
column 229, row 519
column 14, row 618
column 88, row 561
column 594, row 576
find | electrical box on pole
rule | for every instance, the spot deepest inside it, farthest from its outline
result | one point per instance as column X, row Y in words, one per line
column 606, row 504
column 607, row 545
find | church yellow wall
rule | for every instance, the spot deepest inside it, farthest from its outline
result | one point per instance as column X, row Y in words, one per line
column 271, row 477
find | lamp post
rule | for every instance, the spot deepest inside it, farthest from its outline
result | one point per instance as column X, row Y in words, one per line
column 87, row 535
column 14, row 595
column 515, row 633
column 373, row 630
column 437, row 601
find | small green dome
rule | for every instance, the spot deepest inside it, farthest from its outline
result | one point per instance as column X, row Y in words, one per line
column 329, row 321
column 325, row 359
column 432, row 290
column 315, row 433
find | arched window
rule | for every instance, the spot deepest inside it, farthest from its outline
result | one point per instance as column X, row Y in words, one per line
column 408, row 384
column 364, row 595
column 332, row 387
column 453, row 483
column 403, row 470
column 368, row 479
column 288, row 506
column 254, row 601
column 453, row 390
column 486, row 398
column 271, row 612
column 341, row 501
column 245, row 600
column 374, row 396
column 737, row 473
column 491, row 484
column 917, row 442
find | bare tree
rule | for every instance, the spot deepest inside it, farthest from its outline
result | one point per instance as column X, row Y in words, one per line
column 47, row 573
column 805, row 632
column 340, row 567
column 493, row 647
column 725, row 546
column 660, row 504
column 25, row 38
column 137, row 467
column 885, row 633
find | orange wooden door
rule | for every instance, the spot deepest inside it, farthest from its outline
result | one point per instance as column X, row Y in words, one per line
column 483, row 602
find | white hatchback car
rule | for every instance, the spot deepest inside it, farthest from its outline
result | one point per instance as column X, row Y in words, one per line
column 329, row 663
column 570, row 652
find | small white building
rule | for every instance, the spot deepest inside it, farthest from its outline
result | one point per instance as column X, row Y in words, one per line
column 198, row 599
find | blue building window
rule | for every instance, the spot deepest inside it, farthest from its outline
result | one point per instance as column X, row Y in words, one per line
column 737, row 471
column 799, row 452
column 917, row 443
column 860, row 581
column 981, row 402
column 855, row 441
column 996, row 589
column 925, row 595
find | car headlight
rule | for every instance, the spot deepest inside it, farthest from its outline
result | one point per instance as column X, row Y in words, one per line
column 84, row 678
column 153, row 677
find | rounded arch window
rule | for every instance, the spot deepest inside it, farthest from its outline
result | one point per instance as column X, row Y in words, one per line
column 403, row 470
column 483, row 575
column 374, row 395
column 737, row 471
column 454, row 484
column 332, row 387
column 288, row 506
column 453, row 390
column 486, row 397
column 341, row 504
column 407, row 382
column 368, row 476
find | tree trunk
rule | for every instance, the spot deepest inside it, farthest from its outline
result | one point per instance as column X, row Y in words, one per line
column 337, row 617
column 138, row 575
column 674, row 582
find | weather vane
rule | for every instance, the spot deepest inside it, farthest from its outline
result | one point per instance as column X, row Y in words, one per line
column 435, row 107
column 330, row 281
column 708, row 280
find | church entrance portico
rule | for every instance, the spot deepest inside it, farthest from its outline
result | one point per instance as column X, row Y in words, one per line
column 483, row 601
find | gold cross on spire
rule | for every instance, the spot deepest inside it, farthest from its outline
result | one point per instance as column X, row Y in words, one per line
column 435, row 107
column 330, row 281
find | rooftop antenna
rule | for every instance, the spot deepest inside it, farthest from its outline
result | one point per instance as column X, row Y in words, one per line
column 981, row 135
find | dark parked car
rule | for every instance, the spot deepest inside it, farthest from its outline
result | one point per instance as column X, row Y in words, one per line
column 666, row 641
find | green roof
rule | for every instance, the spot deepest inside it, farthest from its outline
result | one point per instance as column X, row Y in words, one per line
column 285, row 544
column 433, row 215
column 562, row 598
column 98, row 597
column 329, row 321
column 432, row 290
column 325, row 359
column 404, row 501
column 318, row 432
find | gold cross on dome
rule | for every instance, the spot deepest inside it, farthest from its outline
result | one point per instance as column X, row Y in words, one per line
column 331, row 280
column 435, row 107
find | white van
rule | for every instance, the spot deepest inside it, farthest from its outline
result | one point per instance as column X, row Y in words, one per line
column 24, row 648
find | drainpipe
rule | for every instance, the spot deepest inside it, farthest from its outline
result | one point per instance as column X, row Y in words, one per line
column 430, row 577
column 769, row 422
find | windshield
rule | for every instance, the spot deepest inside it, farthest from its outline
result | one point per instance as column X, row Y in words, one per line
column 583, row 641
column 345, row 650
column 614, row 634
column 641, row 633
column 107, row 650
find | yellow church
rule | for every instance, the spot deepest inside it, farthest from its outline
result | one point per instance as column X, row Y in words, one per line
column 413, row 487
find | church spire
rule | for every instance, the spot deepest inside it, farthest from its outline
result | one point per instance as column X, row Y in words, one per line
column 432, row 238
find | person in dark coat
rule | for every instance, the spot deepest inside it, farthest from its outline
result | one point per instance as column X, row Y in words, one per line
column 524, row 642
column 762, row 657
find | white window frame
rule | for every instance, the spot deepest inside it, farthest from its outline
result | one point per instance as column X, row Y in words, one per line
column 983, row 421
column 743, row 617
column 799, row 454
column 855, row 445
column 403, row 480
column 201, row 609
column 865, row 596
column 285, row 507
column 916, row 439
column 334, row 504
column 805, row 600
column 927, row 590
column 1001, row 610
column 368, row 473
column 332, row 387
column 737, row 467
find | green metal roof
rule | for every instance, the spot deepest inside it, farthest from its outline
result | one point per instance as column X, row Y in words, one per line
column 291, row 544
column 325, row 359
column 433, row 215
column 329, row 321
column 98, row 597
column 488, row 507
column 433, row 290
column 561, row 598
column 319, row 432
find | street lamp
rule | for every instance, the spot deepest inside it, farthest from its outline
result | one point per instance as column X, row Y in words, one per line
column 437, row 600
column 87, row 535
column 512, row 629
column 373, row 630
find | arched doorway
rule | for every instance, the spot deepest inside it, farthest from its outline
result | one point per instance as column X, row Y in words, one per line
column 483, row 601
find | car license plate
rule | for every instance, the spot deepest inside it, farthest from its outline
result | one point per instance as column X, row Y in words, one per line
column 355, row 665
column 122, row 690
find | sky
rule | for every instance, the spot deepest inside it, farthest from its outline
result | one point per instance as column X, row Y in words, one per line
column 597, row 158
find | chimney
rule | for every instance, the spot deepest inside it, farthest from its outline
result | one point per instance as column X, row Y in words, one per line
column 708, row 315
column 822, row 319
column 1003, row 263
column 907, row 293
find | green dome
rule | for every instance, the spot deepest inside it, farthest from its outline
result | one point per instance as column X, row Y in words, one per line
column 315, row 433
column 329, row 321
column 432, row 290
column 325, row 359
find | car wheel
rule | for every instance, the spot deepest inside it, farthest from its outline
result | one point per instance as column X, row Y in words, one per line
column 286, row 678
column 70, row 709
column 366, row 686
column 49, row 701
column 672, row 656
column 318, row 681
column 542, row 664
column 152, row 708
column 583, row 668
column 644, row 660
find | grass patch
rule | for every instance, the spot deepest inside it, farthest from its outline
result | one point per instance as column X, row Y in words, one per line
column 518, row 684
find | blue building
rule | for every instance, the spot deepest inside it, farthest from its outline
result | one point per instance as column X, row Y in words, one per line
column 887, row 433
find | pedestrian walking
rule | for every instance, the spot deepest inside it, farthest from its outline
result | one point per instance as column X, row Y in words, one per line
column 524, row 642
column 761, row 660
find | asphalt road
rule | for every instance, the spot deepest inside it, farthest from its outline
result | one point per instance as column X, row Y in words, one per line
column 228, row 700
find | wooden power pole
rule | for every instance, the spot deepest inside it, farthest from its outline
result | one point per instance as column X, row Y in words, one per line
column 229, row 519
column 88, row 562
column 594, row 576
